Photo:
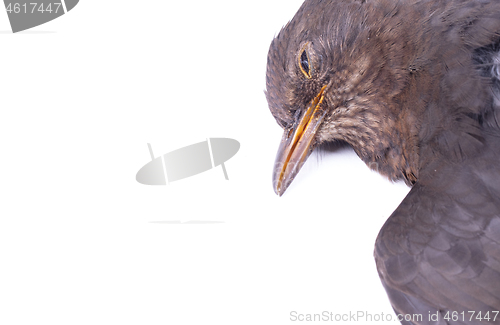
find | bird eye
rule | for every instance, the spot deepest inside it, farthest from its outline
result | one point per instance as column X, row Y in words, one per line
column 304, row 64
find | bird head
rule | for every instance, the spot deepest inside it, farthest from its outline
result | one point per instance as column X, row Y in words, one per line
column 332, row 76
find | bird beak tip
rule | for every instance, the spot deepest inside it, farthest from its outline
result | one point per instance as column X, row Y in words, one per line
column 276, row 186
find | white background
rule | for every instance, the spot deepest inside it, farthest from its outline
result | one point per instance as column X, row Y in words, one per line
column 81, row 242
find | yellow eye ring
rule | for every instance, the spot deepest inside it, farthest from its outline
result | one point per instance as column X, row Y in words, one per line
column 305, row 62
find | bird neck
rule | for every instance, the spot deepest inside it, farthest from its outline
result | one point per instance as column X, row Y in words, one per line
column 394, row 154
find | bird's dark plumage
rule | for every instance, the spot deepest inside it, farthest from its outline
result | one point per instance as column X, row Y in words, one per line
column 414, row 87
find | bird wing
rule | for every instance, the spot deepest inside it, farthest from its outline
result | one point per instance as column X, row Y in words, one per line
column 439, row 252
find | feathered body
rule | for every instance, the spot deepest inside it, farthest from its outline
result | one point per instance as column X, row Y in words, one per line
column 414, row 88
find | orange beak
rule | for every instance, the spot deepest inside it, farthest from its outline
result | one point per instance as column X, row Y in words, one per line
column 297, row 144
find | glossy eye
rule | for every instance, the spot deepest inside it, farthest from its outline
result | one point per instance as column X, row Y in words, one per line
column 304, row 64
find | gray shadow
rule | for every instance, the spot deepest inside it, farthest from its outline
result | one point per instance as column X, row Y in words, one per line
column 193, row 222
column 27, row 32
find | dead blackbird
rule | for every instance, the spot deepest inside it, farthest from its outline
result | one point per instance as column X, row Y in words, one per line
column 414, row 87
